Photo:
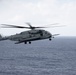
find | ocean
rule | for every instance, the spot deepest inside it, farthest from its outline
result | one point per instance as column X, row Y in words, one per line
column 56, row 57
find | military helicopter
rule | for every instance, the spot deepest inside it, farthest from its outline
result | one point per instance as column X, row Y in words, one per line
column 34, row 34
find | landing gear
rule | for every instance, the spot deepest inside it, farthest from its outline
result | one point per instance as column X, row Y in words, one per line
column 25, row 42
column 29, row 42
column 50, row 39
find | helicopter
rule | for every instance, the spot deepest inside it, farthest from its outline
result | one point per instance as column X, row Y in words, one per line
column 34, row 34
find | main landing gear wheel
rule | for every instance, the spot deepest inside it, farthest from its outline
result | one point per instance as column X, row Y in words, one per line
column 25, row 42
column 29, row 42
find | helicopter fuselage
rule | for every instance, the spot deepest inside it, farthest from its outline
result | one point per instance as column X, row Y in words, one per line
column 31, row 35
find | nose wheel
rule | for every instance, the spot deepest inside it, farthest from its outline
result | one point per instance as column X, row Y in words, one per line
column 50, row 39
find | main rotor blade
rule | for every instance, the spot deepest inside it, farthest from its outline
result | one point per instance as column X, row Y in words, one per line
column 13, row 26
column 58, row 26
column 51, row 24
column 29, row 24
column 33, row 26
column 41, row 27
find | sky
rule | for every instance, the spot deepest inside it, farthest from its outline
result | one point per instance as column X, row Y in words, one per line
column 39, row 13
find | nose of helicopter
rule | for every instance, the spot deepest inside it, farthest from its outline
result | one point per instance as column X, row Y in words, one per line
column 49, row 35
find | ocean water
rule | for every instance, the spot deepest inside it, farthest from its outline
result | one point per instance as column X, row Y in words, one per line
column 56, row 57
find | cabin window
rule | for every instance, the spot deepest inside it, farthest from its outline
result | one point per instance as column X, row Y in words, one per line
column 45, row 32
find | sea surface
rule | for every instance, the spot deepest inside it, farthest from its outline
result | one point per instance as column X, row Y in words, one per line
column 56, row 57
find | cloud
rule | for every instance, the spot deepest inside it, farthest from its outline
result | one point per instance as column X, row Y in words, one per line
column 27, row 10
column 39, row 13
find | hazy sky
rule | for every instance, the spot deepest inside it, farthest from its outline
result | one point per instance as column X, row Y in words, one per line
column 39, row 12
